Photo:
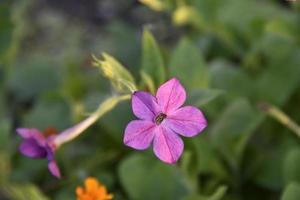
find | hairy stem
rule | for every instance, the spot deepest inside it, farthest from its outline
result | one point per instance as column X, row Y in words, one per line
column 72, row 132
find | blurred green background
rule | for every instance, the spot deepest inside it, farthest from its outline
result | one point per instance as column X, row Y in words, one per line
column 231, row 55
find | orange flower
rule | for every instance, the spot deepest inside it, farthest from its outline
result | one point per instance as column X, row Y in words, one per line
column 93, row 191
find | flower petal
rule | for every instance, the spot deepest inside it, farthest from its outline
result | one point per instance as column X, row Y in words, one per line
column 30, row 148
column 187, row 121
column 167, row 145
column 139, row 134
column 171, row 95
column 144, row 105
column 53, row 168
column 32, row 133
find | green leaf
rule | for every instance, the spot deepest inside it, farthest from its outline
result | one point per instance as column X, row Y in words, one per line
column 207, row 159
column 23, row 192
column 152, row 61
column 271, row 85
column 248, row 25
column 201, row 97
column 147, row 80
column 231, row 78
column 291, row 192
column 187, row 64
column 120, row 78
column 217, row 195
column 291, row 166
column 147, row 178
column 231, row 131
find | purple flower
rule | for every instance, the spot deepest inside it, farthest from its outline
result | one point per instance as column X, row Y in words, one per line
column 39, row 145
column 162, row 120
column 36, row 145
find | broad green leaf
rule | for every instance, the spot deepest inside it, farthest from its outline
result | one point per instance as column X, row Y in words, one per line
column 120, row 78
column 231, row 131
column 265, row 174
column 291, row 192
column 230, row 78
column 152, row 61
column 23, row 192
column 207, row 159
column 145, row 178
column 291, row 166
column 203, row 96
column 272, row 84
column 187, row 64
column 200, row 158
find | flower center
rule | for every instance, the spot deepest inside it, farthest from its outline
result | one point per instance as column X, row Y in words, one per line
column 159, row 118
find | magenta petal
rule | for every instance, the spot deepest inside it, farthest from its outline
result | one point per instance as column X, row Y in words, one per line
column 144, row 105
column 187, row 121
column 139, row 134
column 53, row 168
column 167, row 145
column 32, row 133
column 28, row 132
column 171, row 95
column 31, row 148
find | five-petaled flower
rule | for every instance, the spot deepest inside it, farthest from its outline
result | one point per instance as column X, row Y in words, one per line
column 37, row 145
column 161, row 119
column 93, row 191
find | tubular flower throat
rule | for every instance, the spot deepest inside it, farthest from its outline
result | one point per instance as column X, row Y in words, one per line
column 93, row 191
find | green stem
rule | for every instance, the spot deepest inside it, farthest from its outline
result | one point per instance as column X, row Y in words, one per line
column 280, row 116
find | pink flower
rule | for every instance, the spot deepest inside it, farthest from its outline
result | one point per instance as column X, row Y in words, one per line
column 162, row 120
column 36, row 145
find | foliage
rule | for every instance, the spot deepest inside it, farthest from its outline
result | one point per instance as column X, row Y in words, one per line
column 231, row 55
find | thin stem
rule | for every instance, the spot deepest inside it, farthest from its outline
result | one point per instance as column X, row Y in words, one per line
column 71, row 133
column 281, row 117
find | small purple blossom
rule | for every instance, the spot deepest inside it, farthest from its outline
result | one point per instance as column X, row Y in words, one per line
column 36, row 145
column 162, row 120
